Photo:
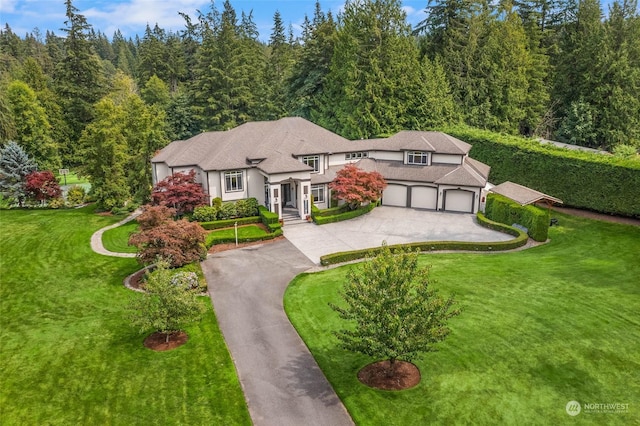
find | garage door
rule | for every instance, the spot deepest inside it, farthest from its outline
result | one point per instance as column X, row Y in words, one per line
column 395, row 195
column 423, row 197
column 456, row 200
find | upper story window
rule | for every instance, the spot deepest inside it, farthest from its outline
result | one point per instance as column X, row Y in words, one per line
column 312, row 161
column 356, row 155
column 417, row 157
column 233, row 181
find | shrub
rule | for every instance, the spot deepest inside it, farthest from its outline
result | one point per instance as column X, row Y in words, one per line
column 218, row 224
column 179, row 242
column 603, row 183
column 504, row 210
column 57, row 203
column 247, row 208
column 270, row 219
column 519, row 241
column 227, row 211
column 205, row 214
column 179, row 191
column 350, row 214
column 186, row 280
column 153, row 216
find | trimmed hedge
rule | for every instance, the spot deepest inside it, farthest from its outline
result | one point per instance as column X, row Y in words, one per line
column 350, row 214
column 519, row 241
column 218, row 224
column 504, row 210
column 598, row 182
column 212, row 239
column 270, row 219
column 316, row 212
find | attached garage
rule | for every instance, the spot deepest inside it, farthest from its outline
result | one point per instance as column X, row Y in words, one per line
column 395, row 195
column 424, row 197
column 458, row 200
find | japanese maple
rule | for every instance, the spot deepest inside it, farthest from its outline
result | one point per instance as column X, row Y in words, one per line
column 355, row 186
column 180, row 192
column 42, row 186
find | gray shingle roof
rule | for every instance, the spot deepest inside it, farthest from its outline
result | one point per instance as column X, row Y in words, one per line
column 272, row 146
column 522, row 194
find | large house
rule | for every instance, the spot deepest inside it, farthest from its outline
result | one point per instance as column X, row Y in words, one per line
column 283, row 163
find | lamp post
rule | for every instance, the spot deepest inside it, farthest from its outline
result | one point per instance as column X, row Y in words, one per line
column 235, row 226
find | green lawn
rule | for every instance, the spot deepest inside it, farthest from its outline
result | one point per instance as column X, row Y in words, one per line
column 68, row 355
column 72, row 179
column 540, row 328
column 247, row 231
column 117, row 239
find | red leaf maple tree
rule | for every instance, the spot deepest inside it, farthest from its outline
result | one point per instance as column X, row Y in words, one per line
column 43, row 185
column 177, row 241
column 180, row 192
column 355, row 186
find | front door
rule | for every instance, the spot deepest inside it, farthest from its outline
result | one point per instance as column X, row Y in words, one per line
column 286, row 194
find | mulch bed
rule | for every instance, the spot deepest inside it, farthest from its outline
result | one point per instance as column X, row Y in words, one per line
column 375, row 375
column 137, row 279
column 158, row 341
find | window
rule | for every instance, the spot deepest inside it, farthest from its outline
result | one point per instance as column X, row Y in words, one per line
column 356, row 155
column 318, row 193
column 233, row 181
column 312, row 161
column 417, row 157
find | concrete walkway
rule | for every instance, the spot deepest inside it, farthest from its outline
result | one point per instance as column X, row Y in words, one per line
column 395, row 225
column 96, row 238
column 282, row 383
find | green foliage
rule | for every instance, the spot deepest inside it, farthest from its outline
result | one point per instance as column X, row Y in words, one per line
column 228, row 210
column 205, row 214
column 520, row 240
column 76, row 195
column 247, row 233
column 584, row 180
column 394, row 311
column 533, row 321
column 625, row 151
column 247, row 207
column 268, row 218
column 349, row 214
column 15, row 166
column 166, row 306
column 503, row 210
column 76, row 320
column 218, row 224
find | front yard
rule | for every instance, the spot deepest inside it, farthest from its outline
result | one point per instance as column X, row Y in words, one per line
column 539, row 328
column 68, row 353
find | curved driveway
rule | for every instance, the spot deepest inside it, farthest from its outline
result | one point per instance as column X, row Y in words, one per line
column 282, row 383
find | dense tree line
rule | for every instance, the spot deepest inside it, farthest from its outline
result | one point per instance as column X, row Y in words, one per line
column 551, row 68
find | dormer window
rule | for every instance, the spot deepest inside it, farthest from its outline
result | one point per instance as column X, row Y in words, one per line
column 312, row 161
column 417, row 157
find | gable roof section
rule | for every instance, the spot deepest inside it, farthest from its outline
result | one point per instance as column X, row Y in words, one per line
column 414, row 140
column 523, row 195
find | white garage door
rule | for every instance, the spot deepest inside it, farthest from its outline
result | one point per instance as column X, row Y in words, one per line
column 395, row 195
column 423, row 197
column 456, row 200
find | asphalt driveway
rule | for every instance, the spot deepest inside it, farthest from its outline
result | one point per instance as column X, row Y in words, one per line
column 395, row 225
column 282, row 383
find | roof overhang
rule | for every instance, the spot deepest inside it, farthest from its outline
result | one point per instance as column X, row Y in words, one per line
column 523, row 195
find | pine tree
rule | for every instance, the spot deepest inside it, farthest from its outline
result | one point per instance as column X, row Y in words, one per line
column 374, row 72
column 15, row 166
column 278, row 69
column 79, row 80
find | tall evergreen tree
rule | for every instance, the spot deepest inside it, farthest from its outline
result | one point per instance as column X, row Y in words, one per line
column 374, row 75
column 278, row 70
column 79, row 80
column 15, row 165
column 308, row 77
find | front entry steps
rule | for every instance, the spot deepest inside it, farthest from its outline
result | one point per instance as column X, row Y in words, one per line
column 290, row 216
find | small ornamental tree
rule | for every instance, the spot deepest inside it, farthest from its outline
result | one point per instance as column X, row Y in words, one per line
column 355, row 186
column 167, row 305
column 180, row 192
column 178, row 241
column 395, row 313
column 43, row 186
column 153, row 216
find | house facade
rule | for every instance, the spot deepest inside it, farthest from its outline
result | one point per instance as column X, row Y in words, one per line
column 284, row 163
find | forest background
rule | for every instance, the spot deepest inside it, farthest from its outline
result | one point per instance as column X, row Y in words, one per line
column 555, row 69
